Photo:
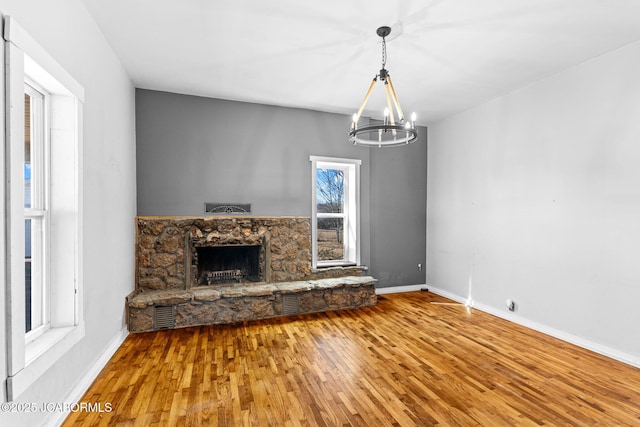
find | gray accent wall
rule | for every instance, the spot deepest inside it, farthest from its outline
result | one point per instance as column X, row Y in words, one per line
column 398, row 213
column 192, row 150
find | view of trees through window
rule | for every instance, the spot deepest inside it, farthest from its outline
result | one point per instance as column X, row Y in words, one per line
column 330, row 196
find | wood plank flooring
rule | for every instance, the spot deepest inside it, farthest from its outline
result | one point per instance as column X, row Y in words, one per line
column 404, row 362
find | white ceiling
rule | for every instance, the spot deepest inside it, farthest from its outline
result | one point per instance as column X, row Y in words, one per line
column 445, row 56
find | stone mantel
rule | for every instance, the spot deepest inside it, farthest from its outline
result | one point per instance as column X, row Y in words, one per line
column 216, row 216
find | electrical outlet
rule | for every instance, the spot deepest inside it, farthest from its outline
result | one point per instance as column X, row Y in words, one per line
column 419, row 266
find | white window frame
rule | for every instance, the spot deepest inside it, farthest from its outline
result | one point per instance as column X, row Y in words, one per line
column 26, row 60
column 350, row 216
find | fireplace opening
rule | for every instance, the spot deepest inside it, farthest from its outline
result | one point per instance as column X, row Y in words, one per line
column 228, row 264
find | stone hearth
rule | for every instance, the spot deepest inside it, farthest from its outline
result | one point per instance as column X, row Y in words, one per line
column 170, row 291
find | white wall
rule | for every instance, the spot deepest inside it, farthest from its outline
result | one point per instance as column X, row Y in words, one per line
column 67, row 31
column 535, row 196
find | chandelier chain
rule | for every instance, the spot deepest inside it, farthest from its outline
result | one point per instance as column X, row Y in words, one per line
column 384, row 53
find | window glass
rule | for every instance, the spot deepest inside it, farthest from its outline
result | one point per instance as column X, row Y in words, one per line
column 330, row 190
column 330, row 239
column 27, row 274
column 27, row 151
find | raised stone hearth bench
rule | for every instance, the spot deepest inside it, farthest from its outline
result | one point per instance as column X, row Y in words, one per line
column 226, row 269
column 237, row 303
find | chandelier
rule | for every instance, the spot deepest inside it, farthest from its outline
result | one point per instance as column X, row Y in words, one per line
column 391, row 131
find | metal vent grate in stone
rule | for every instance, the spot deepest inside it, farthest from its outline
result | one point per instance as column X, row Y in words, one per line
column 227, row 208
column 290, row 304
column 163, row 317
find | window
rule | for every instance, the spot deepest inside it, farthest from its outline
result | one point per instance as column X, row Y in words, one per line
column 35, row 213
column 335, row 224
column 43, row 201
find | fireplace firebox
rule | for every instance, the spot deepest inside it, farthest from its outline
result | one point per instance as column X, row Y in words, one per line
column 224, row 264
column 228, row 264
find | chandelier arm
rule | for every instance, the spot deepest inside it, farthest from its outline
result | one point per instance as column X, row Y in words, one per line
column 366, row 98
column 395, row 99
column 390, row 108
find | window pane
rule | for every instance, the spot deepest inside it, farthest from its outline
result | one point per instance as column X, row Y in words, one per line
column 330, row 239
column 33, row 273
column 27, row 273
column 330, row 190
column 27, row 151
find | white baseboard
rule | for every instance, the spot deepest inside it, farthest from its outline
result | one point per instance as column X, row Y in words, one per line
column 447, row 294
column 397, row 289
column 512, row 317
column 561, row 335
column 87, row 379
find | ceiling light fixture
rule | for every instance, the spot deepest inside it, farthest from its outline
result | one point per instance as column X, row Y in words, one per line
column 390, row 132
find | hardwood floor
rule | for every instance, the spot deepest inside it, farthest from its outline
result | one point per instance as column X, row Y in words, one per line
column 405, row 362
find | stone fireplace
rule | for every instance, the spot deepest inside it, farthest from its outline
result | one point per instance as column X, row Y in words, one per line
column 201, row 270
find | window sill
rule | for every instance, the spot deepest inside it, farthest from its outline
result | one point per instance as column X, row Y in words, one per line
column 41, row 354
column 336, row 264
column 339, row 267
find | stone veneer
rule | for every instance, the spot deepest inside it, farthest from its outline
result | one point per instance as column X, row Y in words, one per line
column 229, row 304
column 165, row 277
